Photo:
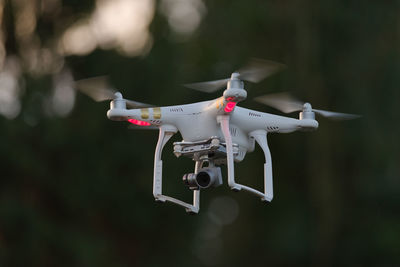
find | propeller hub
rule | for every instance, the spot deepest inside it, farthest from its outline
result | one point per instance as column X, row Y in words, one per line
column 118, row 102
column 235, row 76
column 307, row 113
column 307, row 107
column 118, row 95
column 235, row 82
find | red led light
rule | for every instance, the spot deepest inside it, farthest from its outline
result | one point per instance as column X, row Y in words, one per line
column 229, row 106
column 140, row 123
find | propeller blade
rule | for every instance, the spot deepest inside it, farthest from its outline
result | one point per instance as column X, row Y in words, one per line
column 281, row 101
column 208, row 87
column 96, row 88
column 134, row 104
column 254, row 71
column 257, row 70
column 336, row 115
column 99, row 89
column 287, row 104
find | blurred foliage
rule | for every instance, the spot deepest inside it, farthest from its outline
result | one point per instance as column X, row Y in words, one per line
column 76, row 188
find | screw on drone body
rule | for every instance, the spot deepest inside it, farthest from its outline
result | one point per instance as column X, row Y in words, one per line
column 215, row 143
column 177, row 150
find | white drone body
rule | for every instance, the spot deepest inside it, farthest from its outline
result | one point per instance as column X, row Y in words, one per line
column 217, row 132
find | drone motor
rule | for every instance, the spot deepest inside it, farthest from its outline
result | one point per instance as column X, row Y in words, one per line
column 235, row 89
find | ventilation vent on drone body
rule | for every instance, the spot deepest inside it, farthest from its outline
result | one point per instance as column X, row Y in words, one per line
column 272, row 128
column 233, row 131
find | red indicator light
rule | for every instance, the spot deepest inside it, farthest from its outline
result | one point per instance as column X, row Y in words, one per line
column 229, row 106
column 140, row 123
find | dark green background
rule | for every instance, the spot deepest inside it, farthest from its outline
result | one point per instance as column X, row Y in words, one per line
column 77, row 191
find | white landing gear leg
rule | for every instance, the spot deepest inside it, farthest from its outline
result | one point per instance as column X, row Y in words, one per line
column 261, row 137
column 224, row 121
column 166, row 132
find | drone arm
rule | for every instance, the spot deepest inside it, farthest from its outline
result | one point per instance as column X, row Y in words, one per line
column 261, row 137
column 166, row 132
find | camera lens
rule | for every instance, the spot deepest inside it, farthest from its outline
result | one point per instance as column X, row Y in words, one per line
column 203, row 179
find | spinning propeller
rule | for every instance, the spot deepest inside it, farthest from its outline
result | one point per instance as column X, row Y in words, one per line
column 287, row 104
column 255, row 71
column 98, row 89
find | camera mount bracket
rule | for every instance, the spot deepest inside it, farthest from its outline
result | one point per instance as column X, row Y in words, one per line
column 212, row 149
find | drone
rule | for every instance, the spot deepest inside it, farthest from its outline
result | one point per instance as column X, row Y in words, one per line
column 215, row 132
